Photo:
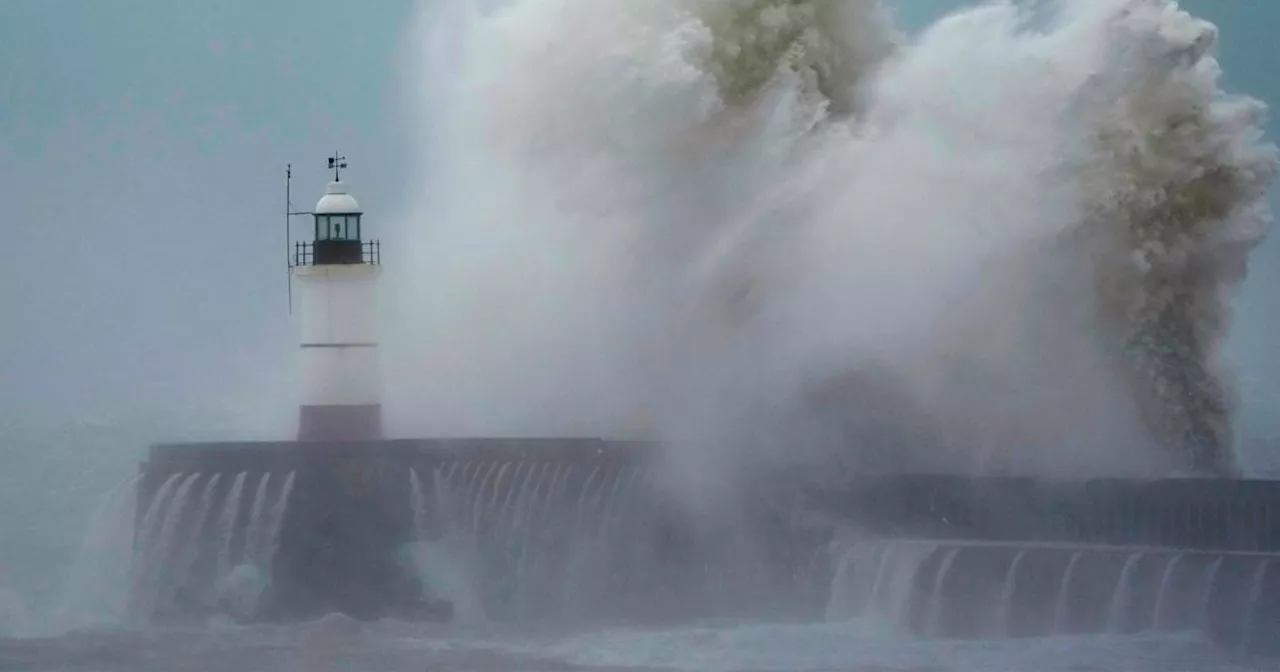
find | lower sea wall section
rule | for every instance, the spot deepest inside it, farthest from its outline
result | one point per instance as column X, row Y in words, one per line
column 584, row 530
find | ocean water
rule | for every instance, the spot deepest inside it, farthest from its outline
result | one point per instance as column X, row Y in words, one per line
column 338, row 644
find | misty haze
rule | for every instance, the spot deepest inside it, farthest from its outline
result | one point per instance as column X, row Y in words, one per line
column 655, row 335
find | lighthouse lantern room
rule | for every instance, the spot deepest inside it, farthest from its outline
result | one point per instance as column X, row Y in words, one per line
column 335, row 275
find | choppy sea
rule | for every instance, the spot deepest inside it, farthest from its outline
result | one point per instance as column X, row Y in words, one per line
column 338, row 644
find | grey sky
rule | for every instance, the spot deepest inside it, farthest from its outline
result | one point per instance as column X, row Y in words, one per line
column 142, row 279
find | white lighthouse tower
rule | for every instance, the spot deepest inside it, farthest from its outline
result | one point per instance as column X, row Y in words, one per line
column 336, row 273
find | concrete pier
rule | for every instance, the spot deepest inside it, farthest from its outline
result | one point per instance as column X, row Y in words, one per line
column 581, row 530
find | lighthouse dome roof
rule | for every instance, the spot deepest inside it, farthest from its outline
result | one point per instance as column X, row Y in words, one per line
column 336, row 201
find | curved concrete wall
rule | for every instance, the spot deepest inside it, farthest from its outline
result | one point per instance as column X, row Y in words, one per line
column 565, row 529
column 948, row 589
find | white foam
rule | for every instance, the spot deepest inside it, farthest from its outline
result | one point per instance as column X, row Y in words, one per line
column 718, row 222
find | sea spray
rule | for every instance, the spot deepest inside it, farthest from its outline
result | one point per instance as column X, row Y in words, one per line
column 783, row 231
column 97, row 587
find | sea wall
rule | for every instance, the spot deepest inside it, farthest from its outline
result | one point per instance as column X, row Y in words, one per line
column 582, row 530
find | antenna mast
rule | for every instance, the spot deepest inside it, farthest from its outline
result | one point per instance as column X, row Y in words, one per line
column 288, row 232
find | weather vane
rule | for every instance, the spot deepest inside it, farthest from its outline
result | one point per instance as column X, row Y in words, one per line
column 336, row 164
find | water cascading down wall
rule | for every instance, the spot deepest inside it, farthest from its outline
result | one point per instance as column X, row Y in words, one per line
column 579, row 530
column 548, row 529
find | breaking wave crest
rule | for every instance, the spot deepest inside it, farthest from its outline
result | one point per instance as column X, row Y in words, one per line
column 785, row 230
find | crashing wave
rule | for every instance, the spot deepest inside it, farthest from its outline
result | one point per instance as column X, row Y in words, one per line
column 782, row 229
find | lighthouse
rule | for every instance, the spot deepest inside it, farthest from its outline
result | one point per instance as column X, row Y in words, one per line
column 336, row 276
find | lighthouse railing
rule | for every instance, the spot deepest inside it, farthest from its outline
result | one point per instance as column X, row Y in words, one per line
column 304, row 252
